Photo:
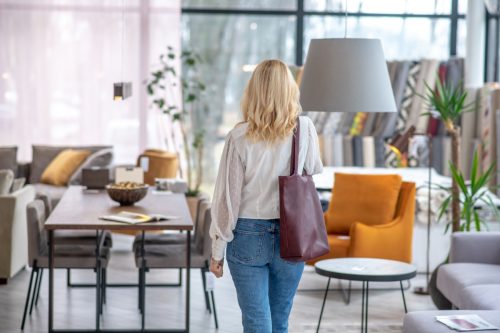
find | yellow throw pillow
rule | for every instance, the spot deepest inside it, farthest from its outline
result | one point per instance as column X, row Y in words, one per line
column 62, row 167
column 369, row 199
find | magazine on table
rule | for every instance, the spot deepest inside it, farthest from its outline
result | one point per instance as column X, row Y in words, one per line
column 135, row 218
column 466, row 323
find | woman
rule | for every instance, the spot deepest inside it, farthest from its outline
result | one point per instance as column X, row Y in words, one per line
column 245, row 209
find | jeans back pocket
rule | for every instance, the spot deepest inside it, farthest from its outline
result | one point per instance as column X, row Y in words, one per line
column 247, row 246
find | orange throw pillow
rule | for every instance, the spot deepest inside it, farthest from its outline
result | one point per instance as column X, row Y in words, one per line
column 62, row 167
column 369, row 199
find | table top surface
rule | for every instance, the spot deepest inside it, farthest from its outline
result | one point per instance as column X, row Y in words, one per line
column 365, row 269
column 80, row 209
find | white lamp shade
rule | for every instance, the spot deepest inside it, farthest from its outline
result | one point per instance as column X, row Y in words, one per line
column 346, row 75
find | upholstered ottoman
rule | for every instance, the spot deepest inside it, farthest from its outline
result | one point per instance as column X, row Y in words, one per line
column 425, row 322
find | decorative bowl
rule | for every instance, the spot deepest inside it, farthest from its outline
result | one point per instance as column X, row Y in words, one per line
column 127, row 194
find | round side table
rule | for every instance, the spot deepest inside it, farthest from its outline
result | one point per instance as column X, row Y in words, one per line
column 365, row 270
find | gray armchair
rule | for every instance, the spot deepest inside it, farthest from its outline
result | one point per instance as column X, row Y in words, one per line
column 471, row 280
column 13, row 233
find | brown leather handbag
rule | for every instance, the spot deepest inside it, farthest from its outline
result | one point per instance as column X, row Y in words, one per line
column 302, row 225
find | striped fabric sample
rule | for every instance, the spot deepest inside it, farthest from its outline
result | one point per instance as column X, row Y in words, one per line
column 408, row 96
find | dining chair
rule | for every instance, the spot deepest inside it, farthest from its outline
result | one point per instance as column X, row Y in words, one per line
column 76, row 255
column 172, row 238
column 71, row 236
column 172, row 255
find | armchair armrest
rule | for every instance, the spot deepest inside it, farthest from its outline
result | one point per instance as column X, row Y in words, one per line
column 13, row 230
column 386, row 241
column 483, row 247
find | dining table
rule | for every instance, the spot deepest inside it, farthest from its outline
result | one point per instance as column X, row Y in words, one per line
column 81, row 209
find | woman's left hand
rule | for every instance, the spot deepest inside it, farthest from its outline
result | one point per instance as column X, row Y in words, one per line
column 216, row 267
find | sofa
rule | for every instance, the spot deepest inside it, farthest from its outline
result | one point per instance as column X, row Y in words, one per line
column 470, row 281
column 42, row 155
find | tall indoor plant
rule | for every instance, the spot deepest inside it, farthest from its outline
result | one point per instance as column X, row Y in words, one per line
column 161, row 88
column 449, row 103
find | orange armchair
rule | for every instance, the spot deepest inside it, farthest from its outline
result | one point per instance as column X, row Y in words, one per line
column 390, row 239
column 161, row 164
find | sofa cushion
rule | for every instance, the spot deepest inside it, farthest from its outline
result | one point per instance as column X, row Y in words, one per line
column 369, row 199
column 54, row 193
column 8, row 159
column 101, row 158
column 43, row 155
column 425, row 322
column 481, row 297
column 453, row 278
column 6, row 179
column 63, row 166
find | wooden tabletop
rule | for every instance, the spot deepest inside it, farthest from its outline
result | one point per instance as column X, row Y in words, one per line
column 79, row 209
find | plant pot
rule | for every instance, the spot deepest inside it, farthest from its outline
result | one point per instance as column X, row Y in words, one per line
column 439, row 300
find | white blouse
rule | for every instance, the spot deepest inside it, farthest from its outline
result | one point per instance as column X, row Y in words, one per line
column 247, row 183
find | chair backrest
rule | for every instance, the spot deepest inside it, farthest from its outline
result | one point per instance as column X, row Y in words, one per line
column 37, row 239
column 206, row 248
column 199, row 235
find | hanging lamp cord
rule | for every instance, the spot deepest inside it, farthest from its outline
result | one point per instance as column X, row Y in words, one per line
column 345, row 29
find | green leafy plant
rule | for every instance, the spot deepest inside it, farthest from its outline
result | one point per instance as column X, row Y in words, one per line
column 472, row 193
column 161, row 88
column 449, row 103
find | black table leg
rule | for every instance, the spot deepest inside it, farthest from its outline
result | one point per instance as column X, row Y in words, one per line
column 363, row 307
column 143, row 281
column 403, row 293
column 188, row 277
column 51, row 279
column 97, row 284
column 366, row 306
column 323, row 305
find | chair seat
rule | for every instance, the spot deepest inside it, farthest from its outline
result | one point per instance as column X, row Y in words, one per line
column 339, row 247
column 481, row 297
column 151, row 239
column 425, row 322
column 169, row 256
column 81, row 237
column 71, row 256
column 55, row 193
column 453, row 278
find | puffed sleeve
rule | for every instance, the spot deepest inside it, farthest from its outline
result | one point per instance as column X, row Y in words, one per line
column 226, row 198
column 312, row 164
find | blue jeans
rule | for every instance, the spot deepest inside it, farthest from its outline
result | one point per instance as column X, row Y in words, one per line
column 265, row 283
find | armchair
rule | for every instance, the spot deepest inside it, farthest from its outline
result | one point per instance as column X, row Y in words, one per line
column 13, row 232
column 390, row 237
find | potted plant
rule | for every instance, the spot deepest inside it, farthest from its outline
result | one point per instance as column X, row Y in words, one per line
column 161, row 87
column 448, row 103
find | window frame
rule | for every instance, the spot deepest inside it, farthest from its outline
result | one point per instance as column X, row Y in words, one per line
column 300, row 13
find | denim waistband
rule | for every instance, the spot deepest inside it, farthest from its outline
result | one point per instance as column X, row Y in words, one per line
column 261, row 222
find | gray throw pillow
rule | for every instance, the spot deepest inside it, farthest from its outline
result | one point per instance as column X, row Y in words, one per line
column 101, row 159
column 8, row 159
column 6, row 179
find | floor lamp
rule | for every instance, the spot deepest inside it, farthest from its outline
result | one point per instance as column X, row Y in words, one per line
column 425, row 289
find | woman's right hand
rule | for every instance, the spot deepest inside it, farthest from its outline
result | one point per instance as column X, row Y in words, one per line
column 216, row 267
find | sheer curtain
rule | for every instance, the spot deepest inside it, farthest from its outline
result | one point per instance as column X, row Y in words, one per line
column 58, row 62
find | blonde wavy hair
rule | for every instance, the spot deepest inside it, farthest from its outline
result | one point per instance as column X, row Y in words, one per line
column 270, row 103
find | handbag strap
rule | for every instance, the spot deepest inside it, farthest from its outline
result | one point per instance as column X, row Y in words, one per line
column 294, row 158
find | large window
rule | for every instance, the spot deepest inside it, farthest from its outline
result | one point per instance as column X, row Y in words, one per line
column 234, row 35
